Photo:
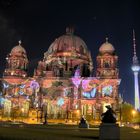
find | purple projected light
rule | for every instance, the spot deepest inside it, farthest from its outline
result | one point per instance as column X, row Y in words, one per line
column 76, row 81
column 85, row 84
column 77, row 72
column 34, row 84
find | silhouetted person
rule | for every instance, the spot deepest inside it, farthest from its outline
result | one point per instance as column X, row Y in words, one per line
column 82, row 121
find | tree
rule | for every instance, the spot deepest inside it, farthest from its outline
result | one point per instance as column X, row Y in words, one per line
column 127, row 115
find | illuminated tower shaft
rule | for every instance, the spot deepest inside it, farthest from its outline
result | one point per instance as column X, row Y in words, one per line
column 136, row 68
column 137, row 101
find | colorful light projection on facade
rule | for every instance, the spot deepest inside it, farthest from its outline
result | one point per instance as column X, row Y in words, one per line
column 76, row 81
column 21, row 90
column 60, row 101
column 67, row 92
column 16, row 95
column 16, row 87
column 7, row 107
column 107, row 90
column 25, row 107
column 2, row 100
column 5, row 85
column 89, row 88
column 34, row 85
column 77, row 72
column 89, row 94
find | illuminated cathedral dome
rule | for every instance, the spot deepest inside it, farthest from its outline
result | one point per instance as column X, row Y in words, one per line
column 64, row 56
column 106, row 47
column 19, row 50
column 69, row 44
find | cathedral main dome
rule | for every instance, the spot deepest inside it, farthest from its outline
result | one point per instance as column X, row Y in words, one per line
column 68, row 45
column 64, row 56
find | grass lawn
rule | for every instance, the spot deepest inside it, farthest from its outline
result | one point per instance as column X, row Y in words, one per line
column 47, row 133
column 130, row 134
column 59, row 132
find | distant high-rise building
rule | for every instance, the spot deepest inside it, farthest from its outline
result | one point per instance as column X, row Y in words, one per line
column 136, row 68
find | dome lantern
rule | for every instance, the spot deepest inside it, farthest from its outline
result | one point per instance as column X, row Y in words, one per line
column 70, row 30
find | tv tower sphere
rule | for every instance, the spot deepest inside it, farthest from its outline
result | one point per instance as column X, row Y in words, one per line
column 135, row 68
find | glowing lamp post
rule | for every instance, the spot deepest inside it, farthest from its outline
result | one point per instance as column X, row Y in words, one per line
column 133, row 113
column 22, row 110
column 22, row 113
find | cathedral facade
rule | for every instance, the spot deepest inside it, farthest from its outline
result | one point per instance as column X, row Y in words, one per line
column 63, row 85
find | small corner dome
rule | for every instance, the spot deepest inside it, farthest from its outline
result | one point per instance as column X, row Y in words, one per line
column 18, row 49
column 106, row 47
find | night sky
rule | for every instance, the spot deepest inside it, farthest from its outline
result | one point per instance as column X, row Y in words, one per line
column 38, row 22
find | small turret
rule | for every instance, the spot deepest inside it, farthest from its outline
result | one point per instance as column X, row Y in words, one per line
column 17, row 62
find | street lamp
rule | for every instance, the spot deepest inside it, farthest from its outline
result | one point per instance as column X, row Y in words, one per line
column 133, row 113
column 22, row 110
column 22, row 113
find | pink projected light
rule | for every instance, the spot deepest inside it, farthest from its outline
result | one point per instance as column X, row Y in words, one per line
column 76, row 81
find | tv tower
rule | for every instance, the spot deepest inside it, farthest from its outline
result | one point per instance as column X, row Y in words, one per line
column 136, row 68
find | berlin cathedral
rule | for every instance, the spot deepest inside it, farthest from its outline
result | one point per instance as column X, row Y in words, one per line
column 63, row 85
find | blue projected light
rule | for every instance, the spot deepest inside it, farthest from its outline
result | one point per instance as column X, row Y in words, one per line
column 5, row 85
column 107, row 90
column 90, row 94
column 93, row 92
column 60, row 101
column 21, row 92
column 2, row 100
column 22, row 86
